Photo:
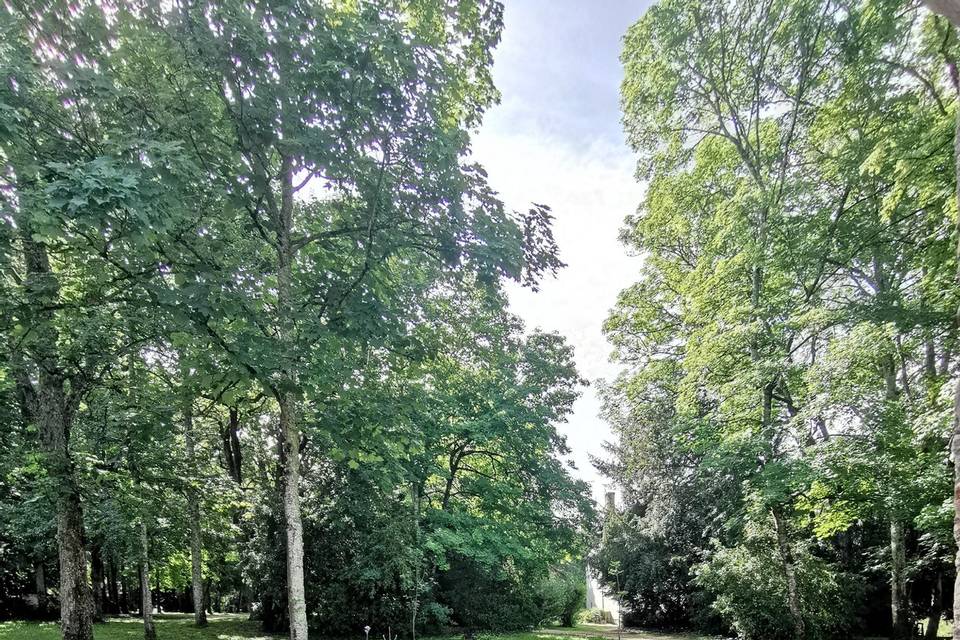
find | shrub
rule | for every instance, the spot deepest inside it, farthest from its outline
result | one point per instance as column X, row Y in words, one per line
column 562, row 594
column 594, row 616
column 750, row 591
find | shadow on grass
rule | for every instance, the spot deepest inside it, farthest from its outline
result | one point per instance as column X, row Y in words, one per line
column 171, row 626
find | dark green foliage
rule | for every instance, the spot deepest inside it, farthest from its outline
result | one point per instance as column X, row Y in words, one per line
column 490, row 597
column 563, row 594
column 748, row 591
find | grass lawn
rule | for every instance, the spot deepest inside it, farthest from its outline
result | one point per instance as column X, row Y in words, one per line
column 237, row 627
column 608, row 632
column 169, row 627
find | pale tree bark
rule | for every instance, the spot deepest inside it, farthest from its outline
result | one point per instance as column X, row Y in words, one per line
column 955, row 436
column 899, row 606
column 291, row 508
column 146, row 599
column 289, row 413
column 936, row 609
column 193, row 509
column 898, row 580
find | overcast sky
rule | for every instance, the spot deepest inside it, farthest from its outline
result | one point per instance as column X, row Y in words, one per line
column 556, row 138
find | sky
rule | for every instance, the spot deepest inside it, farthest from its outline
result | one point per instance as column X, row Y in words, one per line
column 556, row 139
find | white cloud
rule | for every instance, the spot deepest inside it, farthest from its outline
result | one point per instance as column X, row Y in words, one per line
column 590, row 190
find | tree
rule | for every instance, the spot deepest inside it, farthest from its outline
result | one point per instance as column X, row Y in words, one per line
column 789, row 210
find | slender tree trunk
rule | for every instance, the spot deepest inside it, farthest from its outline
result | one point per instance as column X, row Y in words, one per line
column 113, row 588
column 157, row 593
column 40, row 580
column 96, row 574
column 232, row 455
column 193, row 508
column 790, row 573
column 289, row 412
column 936, row 608
column 127, row 603
column 291, row 509
column 900, row 615
column 146, row 604
column 899, row 610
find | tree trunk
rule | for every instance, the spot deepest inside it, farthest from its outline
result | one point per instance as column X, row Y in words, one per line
column 936, row 608
column 146, row 604
column 157, row 593
column 296, row 596
column 289, row 413
column 790, row 573
column 112, row 586
column 96, row 574
column 40, row 578
column 76, row 614
column 193, row 508
column 899, row 611
column 232, row 456
column 53, row 409
column 127, row 602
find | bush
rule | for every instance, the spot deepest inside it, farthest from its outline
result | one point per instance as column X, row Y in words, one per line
column 750, row 591
column 488, row 597
column 652, row 573
column 562, row 594
column 595, row 616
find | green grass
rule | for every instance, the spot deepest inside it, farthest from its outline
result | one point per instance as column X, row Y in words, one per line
column 237, row 627
column 608, row 632
column 169, row 627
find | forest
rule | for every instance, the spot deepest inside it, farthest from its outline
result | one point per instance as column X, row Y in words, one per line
column 258, row 356
column 256, row 350
column 785, row 418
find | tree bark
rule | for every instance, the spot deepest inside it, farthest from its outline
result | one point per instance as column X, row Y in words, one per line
column 96, row 574
column 936, row 608
column 289, row 411
column 899, row 611
column 125, row 604
column 790, row 573
column 950, row 9
column 40, row 578
column 157, row 596
column 193, row 508
column 53, row 410
column 291, row 508
column 232, row 455
column 112, row 586
column 146, row 603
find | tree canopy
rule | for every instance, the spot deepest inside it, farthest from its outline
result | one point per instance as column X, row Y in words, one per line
column 256, row 348
column 784, row 414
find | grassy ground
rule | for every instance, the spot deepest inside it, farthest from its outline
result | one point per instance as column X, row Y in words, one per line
column 169, row 627
column 607, row 632
column 237, row 627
